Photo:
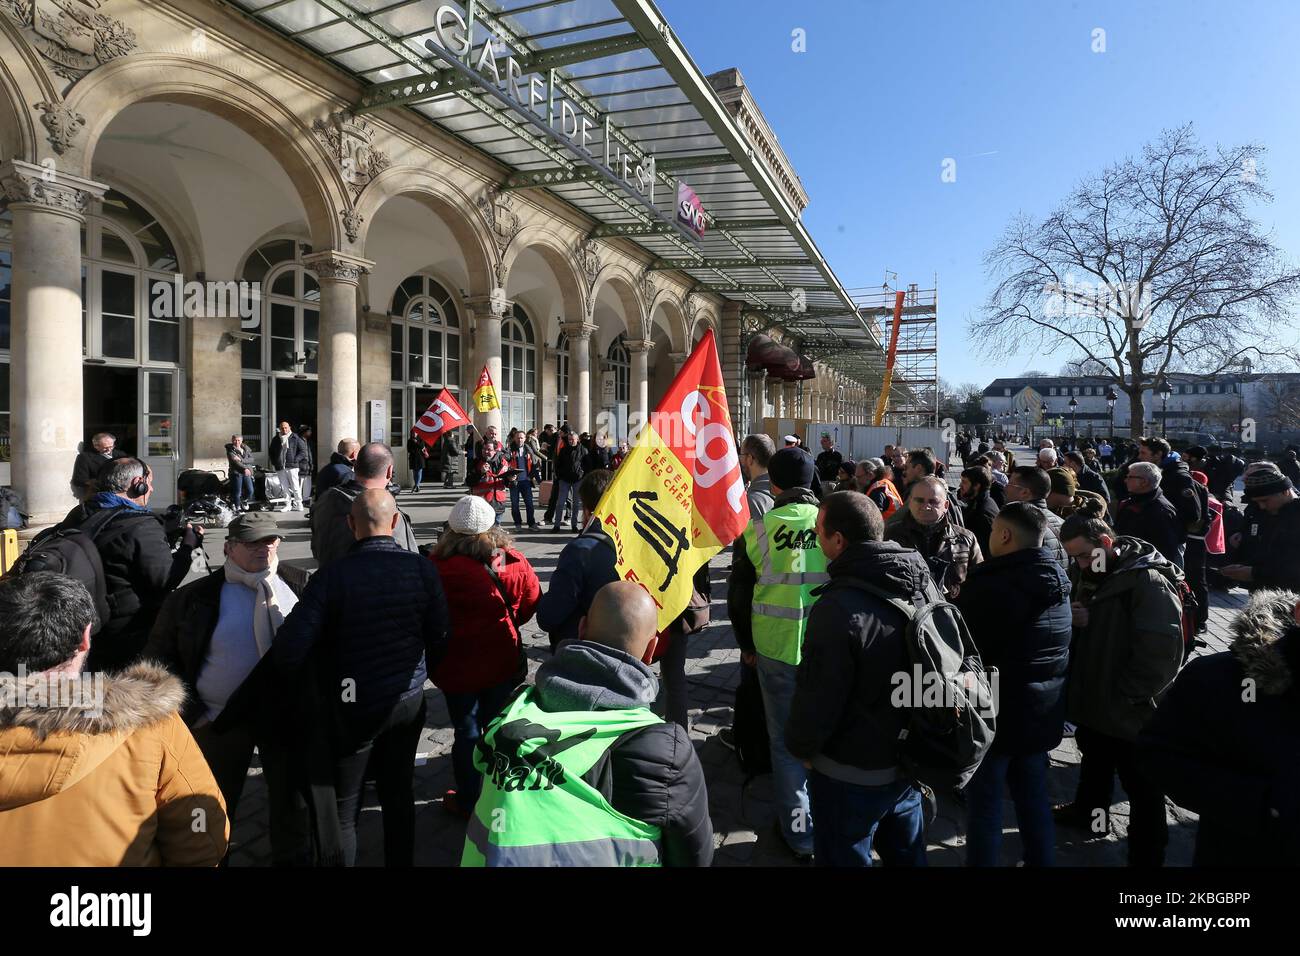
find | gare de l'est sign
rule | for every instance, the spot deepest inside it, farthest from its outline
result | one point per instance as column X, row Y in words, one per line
column 536, row 99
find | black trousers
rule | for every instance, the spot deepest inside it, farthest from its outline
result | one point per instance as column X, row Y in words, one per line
column 1194, row 569
column 1101, row 757
column 229, row 756
column 390, row 758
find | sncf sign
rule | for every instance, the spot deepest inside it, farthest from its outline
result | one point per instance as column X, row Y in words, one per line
column 690, row 213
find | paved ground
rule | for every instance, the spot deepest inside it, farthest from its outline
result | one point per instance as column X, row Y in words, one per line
column 742, row 816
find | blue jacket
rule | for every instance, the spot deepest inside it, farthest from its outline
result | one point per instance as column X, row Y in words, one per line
column 337, row 472
column 584, row 567
column 376, row 616
column 1017, row 607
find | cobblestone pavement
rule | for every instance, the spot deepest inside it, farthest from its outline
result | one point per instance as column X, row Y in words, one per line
column 743, row 817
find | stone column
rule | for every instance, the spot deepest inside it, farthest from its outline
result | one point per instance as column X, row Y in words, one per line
column 791, row 399
column 731, row 355
column 45, row 350
column 639, row 412
column 486, row 317
column 777, row 390
column 338, row 396
column 579, row 335
column 678, row 359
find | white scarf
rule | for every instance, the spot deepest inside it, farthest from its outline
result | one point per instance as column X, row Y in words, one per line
column 267, row 616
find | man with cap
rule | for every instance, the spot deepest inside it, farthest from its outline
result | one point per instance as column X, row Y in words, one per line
column 1064, row 485
column 1277, row 563
column 829, row 461
column 778, row 564
column 212, row 633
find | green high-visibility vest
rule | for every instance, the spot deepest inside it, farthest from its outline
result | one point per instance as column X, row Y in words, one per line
column 782, row 545
column 535, row 808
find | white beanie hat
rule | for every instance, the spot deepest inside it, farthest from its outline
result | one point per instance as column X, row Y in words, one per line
column 471, row 515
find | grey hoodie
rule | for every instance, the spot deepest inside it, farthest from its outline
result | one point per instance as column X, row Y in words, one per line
column 584, row 675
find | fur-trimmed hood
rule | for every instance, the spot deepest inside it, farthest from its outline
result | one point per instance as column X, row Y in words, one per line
column 1267, row 640
column 47, row 748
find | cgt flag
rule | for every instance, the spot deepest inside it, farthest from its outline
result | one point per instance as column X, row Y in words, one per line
column 442, row 416
column 678, row 498
column 485, row 393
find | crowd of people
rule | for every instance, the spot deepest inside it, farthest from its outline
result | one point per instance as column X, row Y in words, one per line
column 1082, row 593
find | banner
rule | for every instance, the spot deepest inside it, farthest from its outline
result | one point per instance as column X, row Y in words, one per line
column 442, row 416
column 690, row 211
column 678, row 498
column 485, row 394
column 883, row 402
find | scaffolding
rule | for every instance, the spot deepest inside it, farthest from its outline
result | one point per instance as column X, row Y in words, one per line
column 914, row 389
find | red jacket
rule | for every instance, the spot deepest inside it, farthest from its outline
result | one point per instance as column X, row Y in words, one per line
column 484, row 649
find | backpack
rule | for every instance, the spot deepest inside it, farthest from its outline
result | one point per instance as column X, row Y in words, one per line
column 71, row 551
column 940, row 746
column 749, row 726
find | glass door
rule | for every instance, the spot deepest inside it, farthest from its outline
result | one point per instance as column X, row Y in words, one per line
column 160, row 391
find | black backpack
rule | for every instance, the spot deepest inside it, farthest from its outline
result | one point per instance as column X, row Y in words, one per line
column 944, row 741
column 749, row 726
column 70, row 550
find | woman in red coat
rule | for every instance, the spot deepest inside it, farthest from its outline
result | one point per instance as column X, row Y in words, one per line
column 492, row 591
column 491, row 479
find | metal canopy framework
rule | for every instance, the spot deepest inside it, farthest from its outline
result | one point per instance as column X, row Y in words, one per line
column 616, row 60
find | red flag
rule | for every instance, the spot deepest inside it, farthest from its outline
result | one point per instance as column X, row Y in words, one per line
column 442, row 416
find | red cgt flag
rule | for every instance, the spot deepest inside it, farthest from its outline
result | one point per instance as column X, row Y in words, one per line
column 442, row 416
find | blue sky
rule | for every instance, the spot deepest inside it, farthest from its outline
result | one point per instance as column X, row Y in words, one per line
column 886, row 91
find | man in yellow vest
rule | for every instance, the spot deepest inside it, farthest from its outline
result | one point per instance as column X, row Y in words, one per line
column 777, row 566
column 578, row 772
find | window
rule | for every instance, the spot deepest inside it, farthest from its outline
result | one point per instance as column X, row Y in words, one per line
column 620, row 363
column 290, row 311
column 1217, row 389
column 4, row 412
column 252, row 412
column 6, row 296
column 426, row 335
column 562, row 379
column 1201, row 389
column 518, row 383
column 1006, row 392
column 396, row 432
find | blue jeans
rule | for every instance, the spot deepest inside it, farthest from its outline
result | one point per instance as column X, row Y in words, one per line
column 789, row 777
column 417, row 476
column 568, row 494
column 850, row 817
column 1027, row 777
column 470, row 713
column 524, row 488
column 241, row 488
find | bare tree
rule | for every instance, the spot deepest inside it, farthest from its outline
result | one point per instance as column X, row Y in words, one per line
column 1154, row 265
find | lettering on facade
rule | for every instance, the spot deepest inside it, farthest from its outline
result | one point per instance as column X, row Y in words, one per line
column 70, row 34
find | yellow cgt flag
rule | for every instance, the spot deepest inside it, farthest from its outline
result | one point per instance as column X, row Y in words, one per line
column 678, row 498
column 485, row 396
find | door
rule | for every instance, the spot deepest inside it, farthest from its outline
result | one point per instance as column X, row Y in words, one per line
column 160, row 391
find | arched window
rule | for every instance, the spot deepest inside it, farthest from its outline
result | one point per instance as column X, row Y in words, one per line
column 518, row 383
column 620, row 363
column 425, row 345
column 290, row 310
column 562, row 379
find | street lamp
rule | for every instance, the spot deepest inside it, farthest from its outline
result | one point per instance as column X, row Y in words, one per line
column 1164, row 390
column 1111, row 399
column 1074, row 430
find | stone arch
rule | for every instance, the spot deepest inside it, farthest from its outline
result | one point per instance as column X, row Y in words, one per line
column 542, row 240
column 446, row 202
column 623, row 284
column 188, row 247
column 23, row 83
column 674, row 322
column 162, row 77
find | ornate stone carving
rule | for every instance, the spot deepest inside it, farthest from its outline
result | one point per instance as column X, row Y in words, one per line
column 70, row 34
column 62, row 125
column 337, row 265
column 352, row 222
column 649, row 289
column 497, row 208
column 350, row 142
column 500, row 272
column 42, row 186
column 691, row 308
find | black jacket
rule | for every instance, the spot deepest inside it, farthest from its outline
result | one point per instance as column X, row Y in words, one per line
column 1151, row 517
column 183, row 632
column 378, row 616
column 744, row 576
column 828, row 465
column 86, row 469
column 1178, row 486
column 1017, row 607
column 1225, row 741
column 841, row 717
column 570, row 463
column 595, row 459
column 584, row 567
column 978, row 515
column 1090, row 480
column 288, row 452
column 139, row 572
column 1277, row 565
column 651, row 774
column 337, row 472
